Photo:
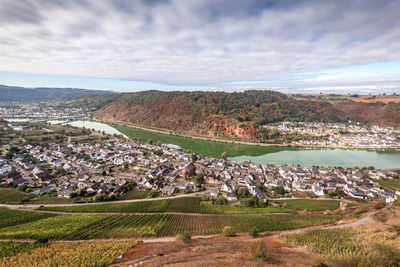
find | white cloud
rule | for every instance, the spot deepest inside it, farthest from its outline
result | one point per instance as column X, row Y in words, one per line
column 196, row 42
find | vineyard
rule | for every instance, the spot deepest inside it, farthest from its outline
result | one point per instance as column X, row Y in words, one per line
column 130, row 207
column 236, row 209
column 310, row 204
column 13, row 217
column 96, row 253
column 94, row 226
column 181, row 205
column 185, row 205
column 344, row 245
column 8, row 249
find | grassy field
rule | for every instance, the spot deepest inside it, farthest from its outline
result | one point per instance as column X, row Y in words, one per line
column 183, row 205
column 130, row 207
column 236, row 209
column 393, row 184
column 99, row 226
column 201, row 147
column 11, row 196
column 135, row 194
column 96, row 253
column 350, row 247
column 309, row 204
column 50, row 200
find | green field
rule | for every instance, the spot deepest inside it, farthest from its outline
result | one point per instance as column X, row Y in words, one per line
column 201, row 147
column 182, row 205
column 12, row 196
column 134, row 194
column 13, row 217
column 50, row 200
column 232, row 209
column 310, row 204
column 95, row 226
column 127, row 207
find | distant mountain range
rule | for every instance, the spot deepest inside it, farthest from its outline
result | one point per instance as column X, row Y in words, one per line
column 9, row 94
column 237, row 115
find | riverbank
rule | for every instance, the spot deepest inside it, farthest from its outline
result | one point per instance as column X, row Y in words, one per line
column 208, row 138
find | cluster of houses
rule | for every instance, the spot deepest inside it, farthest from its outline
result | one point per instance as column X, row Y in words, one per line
column 110, row 167
column 341, row 134
column 46, row 110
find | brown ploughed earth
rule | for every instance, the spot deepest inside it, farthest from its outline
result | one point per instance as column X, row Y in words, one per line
column 213, row 251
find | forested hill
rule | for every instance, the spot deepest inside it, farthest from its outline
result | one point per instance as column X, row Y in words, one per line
column 237, row 115
column 10, row 94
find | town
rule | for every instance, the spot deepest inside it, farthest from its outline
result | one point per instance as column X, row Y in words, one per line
column 58, row 109
column 344, row 135
column 86, row 165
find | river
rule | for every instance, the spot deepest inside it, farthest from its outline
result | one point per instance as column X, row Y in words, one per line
column 383, row 159
column 329, row 157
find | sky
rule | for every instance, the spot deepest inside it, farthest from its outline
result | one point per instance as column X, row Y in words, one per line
column 290, row 46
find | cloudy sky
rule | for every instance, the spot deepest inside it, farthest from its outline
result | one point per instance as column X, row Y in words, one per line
column 128, row 45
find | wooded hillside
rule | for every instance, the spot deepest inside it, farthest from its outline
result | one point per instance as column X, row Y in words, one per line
column 236, row 115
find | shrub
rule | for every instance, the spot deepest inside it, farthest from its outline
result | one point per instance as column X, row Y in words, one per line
column 395, row 229
column 379, row 204
column 381, row 216
column 185, row 237
column 228, row 231
column 258, row 250
column 254, row 232
column 42, row 241
column 319, row 262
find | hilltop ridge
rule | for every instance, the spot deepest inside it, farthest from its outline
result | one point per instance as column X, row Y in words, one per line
column 236, row 115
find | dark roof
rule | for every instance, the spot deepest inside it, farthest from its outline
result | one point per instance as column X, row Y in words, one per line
column 190, row 167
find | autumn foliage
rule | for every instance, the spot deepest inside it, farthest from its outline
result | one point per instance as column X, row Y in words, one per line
column 237, row 115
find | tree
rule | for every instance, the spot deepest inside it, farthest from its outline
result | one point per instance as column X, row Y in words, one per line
column 9, row 155
column 254, row 232
column 333, row 194
column 153, row 194
column 242, row 192
column 221, row 200
column 199, row 179
column 224, row 155
column 262, row 188
column 279, row 190
column 249, row 201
